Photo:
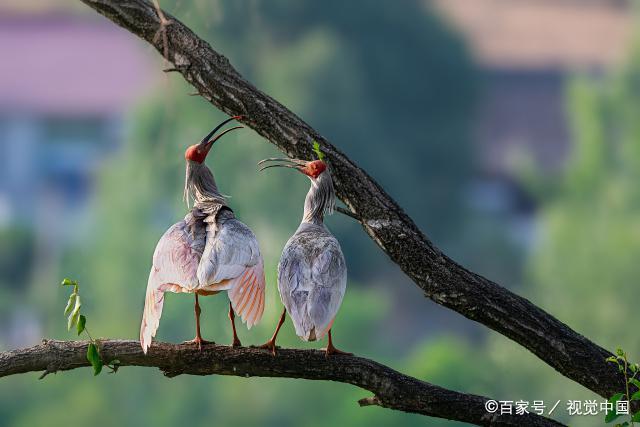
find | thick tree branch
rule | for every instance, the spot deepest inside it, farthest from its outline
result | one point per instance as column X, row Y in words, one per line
column 441, row 279
column 391, row 389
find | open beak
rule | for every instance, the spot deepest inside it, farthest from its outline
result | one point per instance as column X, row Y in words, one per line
column 206, row 143
column 283, row 163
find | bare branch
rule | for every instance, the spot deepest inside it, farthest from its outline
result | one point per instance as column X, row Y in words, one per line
column 442, row 279
column 391, row 389
column 347, row 212
column 368, row 401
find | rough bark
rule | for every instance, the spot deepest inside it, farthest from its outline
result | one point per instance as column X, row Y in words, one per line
column 441, row 279
column 391, row 389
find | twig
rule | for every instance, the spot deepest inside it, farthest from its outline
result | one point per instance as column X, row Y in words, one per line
column 162, row 31
column 348, row 213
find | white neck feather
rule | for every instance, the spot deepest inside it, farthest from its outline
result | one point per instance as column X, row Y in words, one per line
column 200, row 186
column 320, row 199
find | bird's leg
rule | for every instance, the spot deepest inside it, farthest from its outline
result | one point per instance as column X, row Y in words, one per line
column 271, row 344
column 332, row 350
column 232, row 316
column 198, row 339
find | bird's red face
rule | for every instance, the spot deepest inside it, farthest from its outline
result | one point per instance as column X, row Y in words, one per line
column 314, row 169
column 198, row 152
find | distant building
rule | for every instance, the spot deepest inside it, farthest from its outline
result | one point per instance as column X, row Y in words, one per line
column 527, row 49
column 65, row 82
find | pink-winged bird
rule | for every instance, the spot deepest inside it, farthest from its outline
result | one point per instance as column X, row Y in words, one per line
column 209, row 251
column 312, row 273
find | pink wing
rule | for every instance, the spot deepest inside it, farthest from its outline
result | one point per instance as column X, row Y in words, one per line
column 247, row 294
column 174, row 269
column 231, row 261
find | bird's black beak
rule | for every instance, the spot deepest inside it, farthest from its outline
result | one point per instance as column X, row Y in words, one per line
column 206, row 143
column 284, row 163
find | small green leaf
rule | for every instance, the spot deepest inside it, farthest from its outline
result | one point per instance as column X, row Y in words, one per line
column 75, row 314
column 70, row 303
column 69, row 282
column 97, row 368
column 635, row 396
column 611, row 415
column 635, row 382
column 316, row 148
column 94, row 358
column 619, row 352
column 82, row 321
column 92, row 352
column 616, row 397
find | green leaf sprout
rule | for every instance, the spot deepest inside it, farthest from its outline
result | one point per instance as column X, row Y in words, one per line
column 624, row 366
column 316, row 148
column 75, row 318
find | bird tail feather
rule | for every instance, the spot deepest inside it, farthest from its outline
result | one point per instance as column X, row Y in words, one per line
column 153, row 303
column 247, row 294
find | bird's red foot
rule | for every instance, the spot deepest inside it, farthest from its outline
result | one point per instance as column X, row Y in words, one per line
column 331, row 350
column 269, row 345
column 199, row 341
column 236, row 342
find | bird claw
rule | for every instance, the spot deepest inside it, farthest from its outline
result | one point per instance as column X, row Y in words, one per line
column 199, row 341
column 331, row 350
column 269, row 345
column 236, row 343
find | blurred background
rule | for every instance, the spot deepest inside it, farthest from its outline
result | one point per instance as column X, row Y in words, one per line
column 508, row 129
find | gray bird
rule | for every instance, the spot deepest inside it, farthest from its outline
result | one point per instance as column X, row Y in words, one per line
column 209, row 251
column 312, row 273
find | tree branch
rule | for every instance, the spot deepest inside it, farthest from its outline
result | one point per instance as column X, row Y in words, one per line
column 391, row 389
column 441, row 279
